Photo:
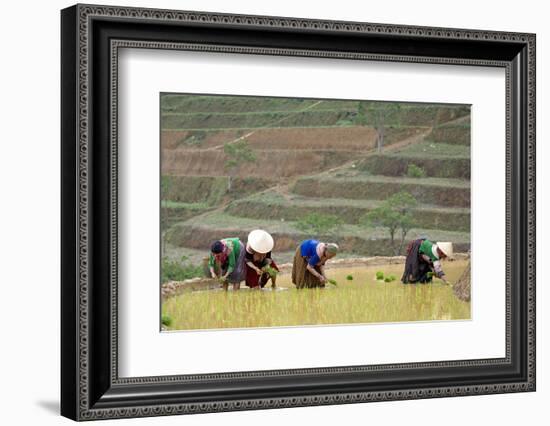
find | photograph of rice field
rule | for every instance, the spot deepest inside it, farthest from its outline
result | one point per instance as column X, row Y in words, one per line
column 296, row 212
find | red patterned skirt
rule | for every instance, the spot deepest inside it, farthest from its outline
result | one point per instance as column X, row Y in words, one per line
column 254, row 280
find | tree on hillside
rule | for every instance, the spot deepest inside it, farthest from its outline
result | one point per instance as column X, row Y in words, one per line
column 381, row 112
column 317, row 224
column 236, row 153
column 395, row 214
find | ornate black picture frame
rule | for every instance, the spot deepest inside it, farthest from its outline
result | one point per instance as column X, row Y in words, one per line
column 91, row 36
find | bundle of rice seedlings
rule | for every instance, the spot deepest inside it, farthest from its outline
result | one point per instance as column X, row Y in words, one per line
column 271, row 271
column 166, row 320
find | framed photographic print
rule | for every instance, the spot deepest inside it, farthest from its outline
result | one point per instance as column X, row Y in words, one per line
column 263, row 212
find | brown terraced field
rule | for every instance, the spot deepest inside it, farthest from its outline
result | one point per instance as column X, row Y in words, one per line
column 311, row 156
column 275, row 164
column 341, row 138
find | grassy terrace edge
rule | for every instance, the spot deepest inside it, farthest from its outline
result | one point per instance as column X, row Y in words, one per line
column 222, row 221
column 199, row 232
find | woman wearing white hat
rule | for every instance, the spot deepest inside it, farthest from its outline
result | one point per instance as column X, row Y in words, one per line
column 423, row 257
column 258, row 259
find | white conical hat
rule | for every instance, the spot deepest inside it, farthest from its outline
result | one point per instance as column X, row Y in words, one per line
column 446, row 247
column 260, row 241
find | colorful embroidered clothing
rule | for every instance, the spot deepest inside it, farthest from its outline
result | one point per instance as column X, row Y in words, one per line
column 254, row 280
column 422, row 258
column 308, row 250
column 259, row 260
column 301, row 276
column 233, row 248
column 429, row 250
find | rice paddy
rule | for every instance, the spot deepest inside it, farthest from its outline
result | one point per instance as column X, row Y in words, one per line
column 359, row 299
column 312, row 156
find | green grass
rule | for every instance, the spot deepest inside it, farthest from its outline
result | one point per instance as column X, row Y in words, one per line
column 183, row 205
column 361, row 300
column 332, row 106
column 199, row 231
column 206, row 111
column 325, row 126
column 358, row 185
column 178, row 211
column 272, row 205
column 428, row 181
column 415, row 171
column 185, row 113
column 166, row 320
column 179, row 270
column 193, row 256
column 171, row 103
column 433, row 150
column 274, row 198
column 260, row 120
column 221, row 221
column 182, row 103
column 208, row 191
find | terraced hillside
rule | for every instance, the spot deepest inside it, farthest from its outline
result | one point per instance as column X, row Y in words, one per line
column 310, row 156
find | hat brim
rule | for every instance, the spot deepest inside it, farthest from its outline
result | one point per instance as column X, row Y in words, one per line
column 260, row 241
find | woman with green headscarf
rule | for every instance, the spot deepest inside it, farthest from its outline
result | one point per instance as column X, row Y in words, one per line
column 308, row 269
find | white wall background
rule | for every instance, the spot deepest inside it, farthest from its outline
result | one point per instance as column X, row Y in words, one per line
column 29, row 217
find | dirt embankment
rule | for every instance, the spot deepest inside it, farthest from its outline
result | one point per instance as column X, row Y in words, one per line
column 211, row 190
column 387, row 165
column 459, row 135
column 458, row 113
column 268, row 164
column 444, row 195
